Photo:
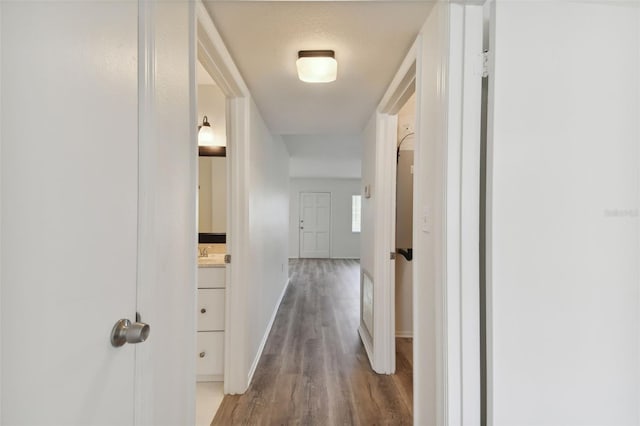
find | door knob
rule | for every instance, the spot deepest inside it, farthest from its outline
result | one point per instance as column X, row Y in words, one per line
column 127, row 332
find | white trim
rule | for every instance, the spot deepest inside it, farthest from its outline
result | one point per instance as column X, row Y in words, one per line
column 451, row 291
column 151, row 23
column 1, row 257
column 399, row 91
column 334, row 257
column 210, row 378
column 404, row 334
column 366, row 342
column 488, row 244
column 384, row 359
column 236, row 309
column 442, row 166
column 143, row 411
column 470, row 393
column 216, row 59
column 256, row 360
column 403, row 84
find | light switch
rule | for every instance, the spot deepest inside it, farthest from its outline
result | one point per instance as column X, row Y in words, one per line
column 426, row 220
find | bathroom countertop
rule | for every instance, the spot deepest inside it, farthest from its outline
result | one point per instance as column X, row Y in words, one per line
column 211, row 261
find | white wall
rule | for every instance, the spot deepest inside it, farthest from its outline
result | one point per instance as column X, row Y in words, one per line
column 324, row 156
column 325, row 168
column 344, row 243
column 563, row 202
column 268, row 229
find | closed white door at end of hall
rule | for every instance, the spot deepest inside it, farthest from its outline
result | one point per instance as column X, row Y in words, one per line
column 315, row 219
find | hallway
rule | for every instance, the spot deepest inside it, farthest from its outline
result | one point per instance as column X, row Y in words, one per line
column 314, row 369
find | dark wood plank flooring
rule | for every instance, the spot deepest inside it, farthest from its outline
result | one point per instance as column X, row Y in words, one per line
column 314, row 369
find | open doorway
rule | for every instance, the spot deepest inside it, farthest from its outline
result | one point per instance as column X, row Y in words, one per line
column 404, row 241
column 212, row 231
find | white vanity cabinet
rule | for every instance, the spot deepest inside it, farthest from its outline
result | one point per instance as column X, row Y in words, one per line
column 210, row 345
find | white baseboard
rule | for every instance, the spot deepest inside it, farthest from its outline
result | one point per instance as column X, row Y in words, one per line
column 254, row 364
column 332, row 257
column 407, row 334
column 209, row 378
column 366, row 341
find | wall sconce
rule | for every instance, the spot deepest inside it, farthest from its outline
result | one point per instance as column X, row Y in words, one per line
column 206, row 136
column 205, row 133
column 317, row 66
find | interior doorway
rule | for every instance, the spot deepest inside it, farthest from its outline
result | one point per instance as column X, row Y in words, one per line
column 212, row 205
column 404, row 220
column 404, row 239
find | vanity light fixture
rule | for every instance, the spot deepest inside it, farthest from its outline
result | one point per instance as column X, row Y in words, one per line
column 317, row 66
column 205, row 134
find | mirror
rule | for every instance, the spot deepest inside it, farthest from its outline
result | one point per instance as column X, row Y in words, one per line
column 212, row 195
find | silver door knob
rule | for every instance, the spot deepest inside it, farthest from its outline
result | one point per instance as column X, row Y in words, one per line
column 127, row 332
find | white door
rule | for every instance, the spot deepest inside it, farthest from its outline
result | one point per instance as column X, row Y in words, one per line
column 563, row 192
column 70, row 211
column 315, row 224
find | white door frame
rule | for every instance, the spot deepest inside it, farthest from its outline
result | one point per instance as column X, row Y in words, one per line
column 443, row 67
column 216, row 59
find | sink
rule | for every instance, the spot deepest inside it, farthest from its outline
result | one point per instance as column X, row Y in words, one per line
column 212, row 259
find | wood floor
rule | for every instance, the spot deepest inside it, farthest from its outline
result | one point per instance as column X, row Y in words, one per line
column 314, row 370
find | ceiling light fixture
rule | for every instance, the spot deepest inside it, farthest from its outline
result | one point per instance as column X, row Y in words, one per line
column 317, row 66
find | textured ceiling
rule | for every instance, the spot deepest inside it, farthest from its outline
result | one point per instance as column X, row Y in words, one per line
column 370, row 39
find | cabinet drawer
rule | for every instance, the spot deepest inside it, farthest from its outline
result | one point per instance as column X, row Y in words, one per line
column 210, row 354
column 211, row 277
column 211, row 309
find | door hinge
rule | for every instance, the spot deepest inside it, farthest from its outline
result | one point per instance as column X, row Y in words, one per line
column 484, row 64
column 227, row 258
column 392, row 255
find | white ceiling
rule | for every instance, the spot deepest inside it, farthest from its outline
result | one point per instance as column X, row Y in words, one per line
column 370, row 39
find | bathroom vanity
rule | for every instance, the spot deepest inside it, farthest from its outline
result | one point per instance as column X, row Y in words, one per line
column 211, row 303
